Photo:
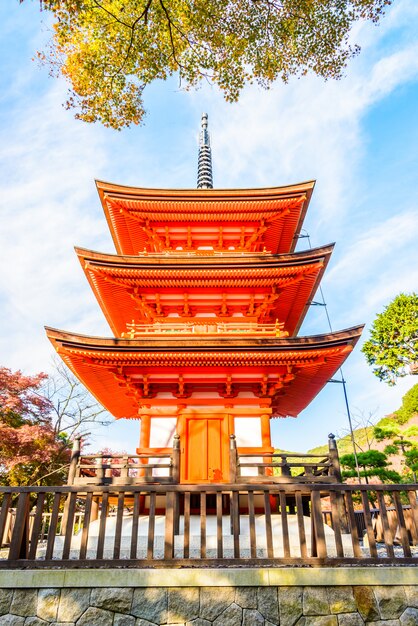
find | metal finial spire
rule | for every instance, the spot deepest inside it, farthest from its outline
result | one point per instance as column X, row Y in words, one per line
column 204, row 166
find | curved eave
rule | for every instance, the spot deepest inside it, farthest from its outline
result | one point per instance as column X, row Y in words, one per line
column 171, row 343
column 127, row 234
column 106, row 274
column 98, row 363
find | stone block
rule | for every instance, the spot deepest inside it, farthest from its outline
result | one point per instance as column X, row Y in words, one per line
column 350, row 619
column 341, row 600
column 144, row 622
column 366, row 603
column 97, row 617
column 318, row 620
column 6, row 596
column 232, row 616
column 411, row 592
column 183, row 604
column 150, row 604
column 252, row 617
column 268, row 603
column 391, row 601
column 117, row 599
column 246, row 597
column 385, row 622
column 73, row 603
column 24, row 602
column 48, row 602
column 35, row 621
column 123, row 620
column 199, row 622
column 11, row 620
column 214, row 601
column 290, row 604
column 409, row 617
column 315, row 601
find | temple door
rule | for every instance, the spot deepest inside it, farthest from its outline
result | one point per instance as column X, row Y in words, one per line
column 204, row 449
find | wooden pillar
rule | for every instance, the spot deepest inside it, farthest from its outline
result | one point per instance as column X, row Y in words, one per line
column 72, row 473
column 265, row 430
column 145, row 433
column 144, row 440
column 266, row 442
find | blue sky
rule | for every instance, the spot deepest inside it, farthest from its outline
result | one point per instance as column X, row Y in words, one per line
column 357, row 137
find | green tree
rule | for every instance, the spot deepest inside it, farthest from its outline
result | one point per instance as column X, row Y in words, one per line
column 372, row 464
column 393, row 345
column 110, row 50
column 400, row 442
column 409, row 406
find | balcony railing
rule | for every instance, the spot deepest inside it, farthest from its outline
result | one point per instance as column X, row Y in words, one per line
column 207, row 525
column 204, row 328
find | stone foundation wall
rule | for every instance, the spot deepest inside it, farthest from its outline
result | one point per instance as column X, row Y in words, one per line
column 206, row 606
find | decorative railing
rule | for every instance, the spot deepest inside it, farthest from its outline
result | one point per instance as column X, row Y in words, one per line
column 207, row 525
column 204, row 328
column 124, row 469
column 284, row 467
column 199, row 252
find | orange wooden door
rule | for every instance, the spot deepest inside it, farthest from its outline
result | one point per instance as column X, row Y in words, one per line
column 205, row 450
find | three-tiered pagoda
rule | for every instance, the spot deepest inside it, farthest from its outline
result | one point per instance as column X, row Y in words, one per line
column 205, row 296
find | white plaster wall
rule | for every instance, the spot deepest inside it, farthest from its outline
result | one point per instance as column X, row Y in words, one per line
column 248, row 431
column 163, row 430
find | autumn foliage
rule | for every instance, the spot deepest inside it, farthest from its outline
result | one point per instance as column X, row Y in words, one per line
column 29, row 447
column 110, row 50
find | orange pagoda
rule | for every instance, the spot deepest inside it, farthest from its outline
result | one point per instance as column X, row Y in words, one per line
column 205, row 296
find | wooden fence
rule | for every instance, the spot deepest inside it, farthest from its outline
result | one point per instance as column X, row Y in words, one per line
column 203, row 525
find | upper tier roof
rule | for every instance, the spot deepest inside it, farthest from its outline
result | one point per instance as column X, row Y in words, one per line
column 125, row 374
column 260, row 288
column 159, row 220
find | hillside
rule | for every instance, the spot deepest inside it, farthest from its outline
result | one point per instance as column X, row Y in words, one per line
column 405, row 416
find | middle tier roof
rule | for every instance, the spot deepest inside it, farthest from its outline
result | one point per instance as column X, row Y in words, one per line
column 258, row 288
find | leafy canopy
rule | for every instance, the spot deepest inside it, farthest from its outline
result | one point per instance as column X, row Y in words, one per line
column 39, row 416
column 393, row 345
column 110, row 50
column 372, row 464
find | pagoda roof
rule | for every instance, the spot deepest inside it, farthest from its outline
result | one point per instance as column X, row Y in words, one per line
column 278, row 212
column 124, row 373
column 122, row 283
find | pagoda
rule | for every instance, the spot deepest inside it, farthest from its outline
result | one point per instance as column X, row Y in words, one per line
column 205, row 297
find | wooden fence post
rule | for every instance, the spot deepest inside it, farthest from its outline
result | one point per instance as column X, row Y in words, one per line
column 233, row 459
column 335, row 469
column 175, row 472
column 176, row 480
column 72, row 473
column 75, row 457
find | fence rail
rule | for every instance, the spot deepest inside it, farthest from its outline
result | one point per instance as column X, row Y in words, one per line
column 201, row 525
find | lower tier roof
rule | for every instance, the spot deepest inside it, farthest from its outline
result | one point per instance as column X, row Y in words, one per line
column 124, row 374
